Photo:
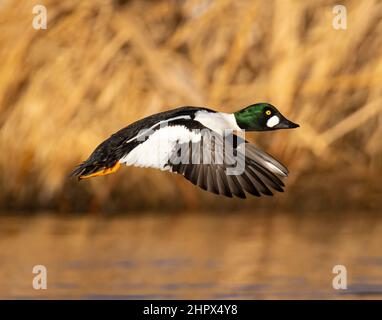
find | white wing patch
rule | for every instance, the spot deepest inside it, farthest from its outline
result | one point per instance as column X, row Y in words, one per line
column 155, row 125
column 273, row 121
column 156, row 151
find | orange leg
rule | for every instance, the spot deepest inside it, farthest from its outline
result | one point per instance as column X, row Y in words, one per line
column 102, row 172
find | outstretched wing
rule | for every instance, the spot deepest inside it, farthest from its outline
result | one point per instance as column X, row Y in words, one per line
column 228, row 166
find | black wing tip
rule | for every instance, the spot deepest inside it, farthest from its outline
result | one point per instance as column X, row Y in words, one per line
column 235, row 191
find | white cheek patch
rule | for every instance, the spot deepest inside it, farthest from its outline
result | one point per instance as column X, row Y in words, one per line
column 273, row 121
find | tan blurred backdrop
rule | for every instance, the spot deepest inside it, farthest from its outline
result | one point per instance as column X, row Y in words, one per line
column 101, row 65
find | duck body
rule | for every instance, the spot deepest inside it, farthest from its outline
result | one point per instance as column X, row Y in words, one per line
column 181, row 139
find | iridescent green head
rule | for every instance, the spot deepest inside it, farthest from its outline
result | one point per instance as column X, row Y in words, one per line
column 262, row 117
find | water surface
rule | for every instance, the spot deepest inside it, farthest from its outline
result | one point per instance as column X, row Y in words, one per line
column 193, row 255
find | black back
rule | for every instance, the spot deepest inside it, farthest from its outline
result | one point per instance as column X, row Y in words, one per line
column 114, row 148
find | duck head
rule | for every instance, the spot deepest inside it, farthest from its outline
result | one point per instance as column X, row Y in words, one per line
column 262, row 117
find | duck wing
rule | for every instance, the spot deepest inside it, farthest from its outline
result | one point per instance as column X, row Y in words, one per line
column 228, row 166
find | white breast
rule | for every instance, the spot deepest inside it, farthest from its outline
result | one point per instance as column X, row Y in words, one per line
column 156, row 151
column 218, row 121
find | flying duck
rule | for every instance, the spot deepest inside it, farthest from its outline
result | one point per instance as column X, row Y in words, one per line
column 176, row 140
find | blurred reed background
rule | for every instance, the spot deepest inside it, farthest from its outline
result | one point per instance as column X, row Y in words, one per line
column 103, row 64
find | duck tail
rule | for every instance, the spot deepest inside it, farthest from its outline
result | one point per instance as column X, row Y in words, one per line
column 89, row 169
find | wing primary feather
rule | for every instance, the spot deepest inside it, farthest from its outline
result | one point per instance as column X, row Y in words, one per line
column 201, row 178
column 268, row 178
column 223, row 183
column 211, row 180
column 235, row 187
column 260, row 185
column 248, row 185
column 266, row 160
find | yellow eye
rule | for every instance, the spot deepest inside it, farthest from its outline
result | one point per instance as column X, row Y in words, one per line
column 268, row 112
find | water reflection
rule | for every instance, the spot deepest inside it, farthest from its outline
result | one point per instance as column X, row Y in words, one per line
column 194, row 255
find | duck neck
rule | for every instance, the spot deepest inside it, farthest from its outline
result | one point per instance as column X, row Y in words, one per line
column 248, row 119
column 217, row 121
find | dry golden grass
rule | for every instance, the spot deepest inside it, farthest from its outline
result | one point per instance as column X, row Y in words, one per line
column 103, row 64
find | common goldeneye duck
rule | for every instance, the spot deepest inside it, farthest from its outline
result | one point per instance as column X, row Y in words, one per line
column 199, row 144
